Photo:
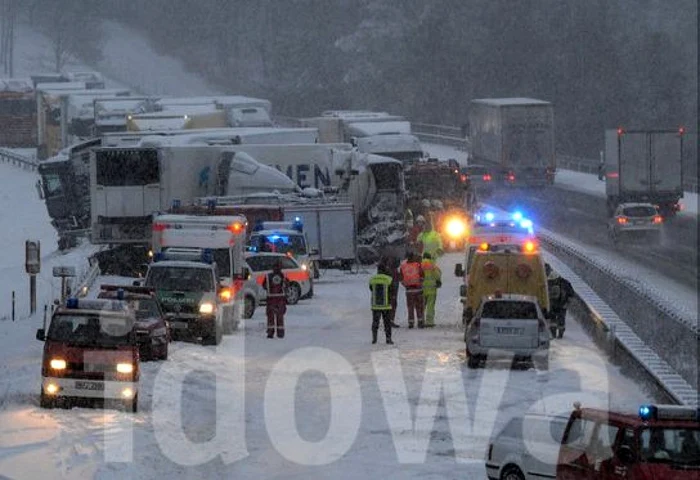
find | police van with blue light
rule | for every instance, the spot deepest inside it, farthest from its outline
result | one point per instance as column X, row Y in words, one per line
column 284, row 237
column 90, row 355
column 185, row 281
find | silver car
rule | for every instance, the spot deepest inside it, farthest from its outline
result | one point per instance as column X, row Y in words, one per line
column 509, row 326
column 636, row 219
column 527, row 448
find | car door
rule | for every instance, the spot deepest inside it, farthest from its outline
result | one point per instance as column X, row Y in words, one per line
column 574, row 462
column 541, row 438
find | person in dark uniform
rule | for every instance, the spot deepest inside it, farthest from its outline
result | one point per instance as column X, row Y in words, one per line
column 276, row 284
column 560, row 292
column 380, row 285
column 391, row 267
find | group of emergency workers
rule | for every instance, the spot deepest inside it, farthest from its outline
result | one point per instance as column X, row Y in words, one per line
column 420, row 277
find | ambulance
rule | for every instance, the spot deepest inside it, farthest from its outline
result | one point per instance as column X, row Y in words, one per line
column 90, row 355
column 224, row 236
column 490, row 229
column 504, row 269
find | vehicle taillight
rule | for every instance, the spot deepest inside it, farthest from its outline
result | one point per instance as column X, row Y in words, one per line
column 225, row 294
column 463, row 178
column 236, row 228
column 487, row 178
column 511, row 177
column 159, row 227
column 622, row 220
column 658, row 219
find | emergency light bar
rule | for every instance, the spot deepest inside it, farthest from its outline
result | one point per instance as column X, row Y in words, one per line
column 127, row 288
column 186, row 254
column 669, row 412
column 100, row 304
column 297, row 225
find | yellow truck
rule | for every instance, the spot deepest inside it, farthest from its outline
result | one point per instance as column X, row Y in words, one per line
column 504, row 270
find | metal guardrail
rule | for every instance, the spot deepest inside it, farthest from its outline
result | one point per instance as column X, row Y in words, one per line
column 616, row 334
column 14, row 158
column 87, row 279
column 656, row 330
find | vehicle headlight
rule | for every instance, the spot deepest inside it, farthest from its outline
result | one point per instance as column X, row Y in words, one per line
column 206, row 307
column 125, row 367
column 304, row 267
column 455, row 228
column 58, row 364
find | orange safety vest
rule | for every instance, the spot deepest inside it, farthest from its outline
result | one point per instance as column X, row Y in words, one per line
column 410, row 273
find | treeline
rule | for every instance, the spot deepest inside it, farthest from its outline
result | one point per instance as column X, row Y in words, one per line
column 603, row 63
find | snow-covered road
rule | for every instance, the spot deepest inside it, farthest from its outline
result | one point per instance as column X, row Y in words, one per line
column 329, row 333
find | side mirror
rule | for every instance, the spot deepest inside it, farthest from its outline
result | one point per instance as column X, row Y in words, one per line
column 626, row 455
column 462, row 290
column 459, row 270
column 41, row 335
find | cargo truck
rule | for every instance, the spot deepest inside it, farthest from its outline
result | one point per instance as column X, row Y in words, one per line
column 644, row 166
column 515, row 137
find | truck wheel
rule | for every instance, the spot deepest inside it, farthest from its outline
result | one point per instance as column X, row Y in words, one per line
column 293, row 293
column 248, row 307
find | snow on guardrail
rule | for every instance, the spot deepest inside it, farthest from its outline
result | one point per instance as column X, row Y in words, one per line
column 16, row 159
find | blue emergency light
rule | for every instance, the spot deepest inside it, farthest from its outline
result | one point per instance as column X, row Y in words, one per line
column 647, row 412
column 72, row 302
column 489, row 216
column 517, row 216
column 298, row 225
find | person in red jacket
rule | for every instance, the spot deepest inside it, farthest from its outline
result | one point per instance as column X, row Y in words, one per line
column 276, row 284
column 411, row 276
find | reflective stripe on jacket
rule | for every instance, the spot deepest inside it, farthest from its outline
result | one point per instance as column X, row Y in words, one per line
column 379, row 285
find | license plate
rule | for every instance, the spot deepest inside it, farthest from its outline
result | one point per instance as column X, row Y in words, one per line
column 640, row 222
column 510, row 330
column 90, row 386
column 178, row 325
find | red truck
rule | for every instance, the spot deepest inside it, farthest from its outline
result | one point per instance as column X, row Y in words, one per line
column 659, row 442
column 90, row 354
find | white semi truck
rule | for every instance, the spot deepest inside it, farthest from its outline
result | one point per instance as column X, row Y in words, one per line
column 644, row 166
column 371, row 132
column 515, row 138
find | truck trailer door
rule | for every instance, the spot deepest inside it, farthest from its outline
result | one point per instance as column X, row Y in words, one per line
column 665, row 161
column 635, row 169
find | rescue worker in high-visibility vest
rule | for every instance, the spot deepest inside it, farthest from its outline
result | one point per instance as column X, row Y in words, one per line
column 379, row 285
column 432, row 280
column 276, row 285
column 390, row 266
column 431, row 242
column 411, row 277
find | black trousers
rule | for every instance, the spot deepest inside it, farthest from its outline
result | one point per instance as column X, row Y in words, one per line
column 385, row 316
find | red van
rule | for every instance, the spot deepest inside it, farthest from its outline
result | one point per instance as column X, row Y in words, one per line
column 658, row 442
column 90, row 354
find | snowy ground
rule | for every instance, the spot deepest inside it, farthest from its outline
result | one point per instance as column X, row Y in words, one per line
column 80, row 443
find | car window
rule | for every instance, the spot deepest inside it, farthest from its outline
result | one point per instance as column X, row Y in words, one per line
column 544, row 429
column 289, row 263
column 256, row 263
column 600, row 447
column 181, row 278
column 639, row 211
column 508, row 309
column 580, row 433
column 513, row 429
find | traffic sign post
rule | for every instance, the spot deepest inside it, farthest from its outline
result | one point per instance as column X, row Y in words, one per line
column 32, row 264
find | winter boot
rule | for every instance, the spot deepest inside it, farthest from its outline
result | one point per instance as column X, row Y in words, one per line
column 388, row 340
column 270, row 334
column 280, row 333
column 374, row 336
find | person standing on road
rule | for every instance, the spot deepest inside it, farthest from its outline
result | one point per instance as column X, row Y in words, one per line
column 432, row 280
column 560, row 292
column 431, row 241
column 276, row 285
column 391, row 268
column 411, row 276
column 379, row 286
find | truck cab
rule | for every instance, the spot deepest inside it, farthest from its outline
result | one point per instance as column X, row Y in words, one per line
column 90, row 353
column 658, row 442
column 187, row 289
